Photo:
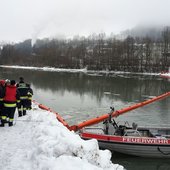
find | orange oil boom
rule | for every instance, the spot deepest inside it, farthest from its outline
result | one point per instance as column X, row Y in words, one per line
column 117, row 113
column 60, row 119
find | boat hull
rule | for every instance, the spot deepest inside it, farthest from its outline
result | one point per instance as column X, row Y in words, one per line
column 136, row 146
column 152, row 151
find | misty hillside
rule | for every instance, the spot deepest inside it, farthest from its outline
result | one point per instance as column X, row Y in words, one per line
column 153, row 32
column 142, row 49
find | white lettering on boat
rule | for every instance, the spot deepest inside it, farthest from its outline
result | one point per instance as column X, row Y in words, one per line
column 145, row 140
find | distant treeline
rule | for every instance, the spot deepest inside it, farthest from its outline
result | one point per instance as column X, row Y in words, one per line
column 96, row 52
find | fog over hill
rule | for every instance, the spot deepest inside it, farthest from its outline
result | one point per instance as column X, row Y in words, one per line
column 153, row 32
column 141, row 49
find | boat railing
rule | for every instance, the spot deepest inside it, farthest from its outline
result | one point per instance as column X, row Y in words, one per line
column 97, row 130
column 132, row 132
column 166, row 136
column 150, row 126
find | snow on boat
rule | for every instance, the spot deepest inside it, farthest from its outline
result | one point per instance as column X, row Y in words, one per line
column 136, row 141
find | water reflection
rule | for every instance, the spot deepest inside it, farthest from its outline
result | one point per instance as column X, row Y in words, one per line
column 137, row 163
column 79, row 96
column 130, row 89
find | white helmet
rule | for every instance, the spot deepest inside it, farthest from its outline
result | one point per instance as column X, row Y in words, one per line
column 7, row 81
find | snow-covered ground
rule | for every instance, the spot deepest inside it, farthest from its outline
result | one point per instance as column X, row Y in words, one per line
column 39, row 142
column 46, row 68
column 84, row 70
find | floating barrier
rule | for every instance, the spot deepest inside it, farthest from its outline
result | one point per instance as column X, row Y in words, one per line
column 104, row 116
column 60, row 119
column 43, row 107
column 117, row 113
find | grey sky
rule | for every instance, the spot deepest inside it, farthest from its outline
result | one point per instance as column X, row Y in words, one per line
column 23, row 19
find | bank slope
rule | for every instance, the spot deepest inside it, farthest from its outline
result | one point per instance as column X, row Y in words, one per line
column 38, row 141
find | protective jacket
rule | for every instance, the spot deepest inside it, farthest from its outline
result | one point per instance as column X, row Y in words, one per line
column 1, row 93
column 10, row 101
column 2, row 88
column 23, row 90
column 11, row 96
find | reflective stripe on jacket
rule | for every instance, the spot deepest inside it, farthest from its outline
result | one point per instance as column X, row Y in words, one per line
column 10, row 104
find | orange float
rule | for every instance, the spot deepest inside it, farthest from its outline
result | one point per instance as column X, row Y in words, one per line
column 60, row 119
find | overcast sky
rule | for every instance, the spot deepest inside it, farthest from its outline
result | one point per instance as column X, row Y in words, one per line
column 23, row 19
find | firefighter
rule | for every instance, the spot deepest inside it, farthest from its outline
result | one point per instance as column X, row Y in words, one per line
column 10, row 100
column 29, row 100
column 23, row 90
column 2, row 88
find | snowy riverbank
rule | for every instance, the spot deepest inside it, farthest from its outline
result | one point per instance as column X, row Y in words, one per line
column 38, row 141
column 53, row 69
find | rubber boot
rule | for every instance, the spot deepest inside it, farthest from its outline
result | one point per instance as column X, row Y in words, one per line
column 19, row 113
column 24, row 112
column 2, row 123
column 10, row 123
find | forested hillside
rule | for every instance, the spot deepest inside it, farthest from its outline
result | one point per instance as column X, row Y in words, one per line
column 149, row 52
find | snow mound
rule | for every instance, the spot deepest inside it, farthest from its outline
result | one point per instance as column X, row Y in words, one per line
column 55, row 147
column 38, row 141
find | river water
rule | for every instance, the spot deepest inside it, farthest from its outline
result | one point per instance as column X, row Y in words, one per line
column 81, row 96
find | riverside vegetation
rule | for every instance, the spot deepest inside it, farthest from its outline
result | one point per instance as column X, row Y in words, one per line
column 149, row 53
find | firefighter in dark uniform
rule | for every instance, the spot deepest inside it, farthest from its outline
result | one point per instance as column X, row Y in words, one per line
column 2, row 88
column 23, row 90
column 29, row 100
column 10, row 100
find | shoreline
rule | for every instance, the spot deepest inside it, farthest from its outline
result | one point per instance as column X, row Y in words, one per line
column 84, row 70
